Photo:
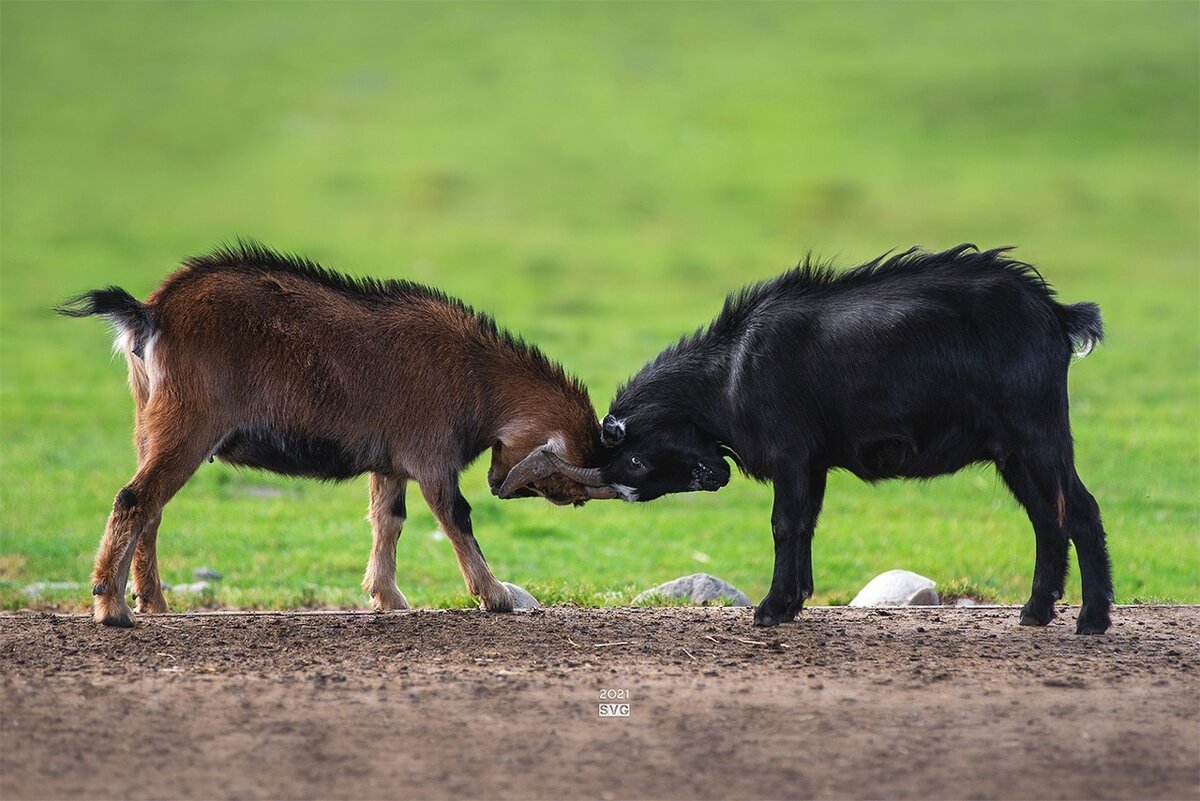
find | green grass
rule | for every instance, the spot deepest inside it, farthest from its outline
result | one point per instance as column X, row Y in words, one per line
column 598, row 176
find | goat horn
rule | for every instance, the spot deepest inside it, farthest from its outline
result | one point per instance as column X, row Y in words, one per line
column 587, row 476
column 605, row 493
column 528, row 470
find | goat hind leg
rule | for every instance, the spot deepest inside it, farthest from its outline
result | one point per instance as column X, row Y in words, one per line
column 170, row 462
column 112, row 561
column 147, row 586
column 1082, row 520
column 387, row 515
column 1037, row 491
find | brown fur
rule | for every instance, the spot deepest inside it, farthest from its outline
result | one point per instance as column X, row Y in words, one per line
column 408, row 384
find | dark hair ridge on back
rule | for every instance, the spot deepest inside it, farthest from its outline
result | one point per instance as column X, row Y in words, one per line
column 813, row 275
column 249, row 255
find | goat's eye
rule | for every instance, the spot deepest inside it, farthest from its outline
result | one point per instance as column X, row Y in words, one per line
column 635, row 462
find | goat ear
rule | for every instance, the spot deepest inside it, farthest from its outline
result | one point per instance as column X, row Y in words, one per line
column 534, row 466
column 612, row 431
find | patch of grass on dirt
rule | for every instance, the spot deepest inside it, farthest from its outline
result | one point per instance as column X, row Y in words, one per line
column 1151, row 600
column 598, row 177
column 961, row 588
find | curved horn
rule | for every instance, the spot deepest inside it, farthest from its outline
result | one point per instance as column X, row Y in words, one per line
column 602, row 493
column 587, row 476
column 526, row 471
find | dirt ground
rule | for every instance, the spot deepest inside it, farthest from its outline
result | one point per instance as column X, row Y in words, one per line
column 845, row 703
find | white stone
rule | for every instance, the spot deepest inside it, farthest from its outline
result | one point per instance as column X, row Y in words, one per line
column 196, row 587
column 36, row 590
column 898, row 588
column 521, row 597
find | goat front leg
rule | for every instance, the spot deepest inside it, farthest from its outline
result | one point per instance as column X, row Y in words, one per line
column 454, row 514
column 387, row 515
column 798, row 498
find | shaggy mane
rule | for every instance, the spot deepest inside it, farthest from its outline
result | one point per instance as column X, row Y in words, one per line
column 248, row 255
column 814, row 276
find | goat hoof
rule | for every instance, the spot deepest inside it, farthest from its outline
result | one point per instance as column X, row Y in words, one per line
column 98, row 589
column 148, row 603
column 383, row 601
column 120, row 617
column 769, row 614
column 1092, row 622
column 497, row 600
column 1037, row 614
column 1038, row 610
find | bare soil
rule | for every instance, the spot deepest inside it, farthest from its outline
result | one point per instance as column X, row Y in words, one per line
column 845, row 703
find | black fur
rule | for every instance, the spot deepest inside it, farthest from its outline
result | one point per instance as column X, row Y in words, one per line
column 125, row 500
column 398, row 508
column 119, row 307
column 461, row 514
column 913, row 365
column 295, row 454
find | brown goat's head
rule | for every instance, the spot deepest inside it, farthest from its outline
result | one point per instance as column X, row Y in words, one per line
column 555, row 468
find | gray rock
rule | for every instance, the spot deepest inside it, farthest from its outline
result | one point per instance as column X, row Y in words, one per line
column 36, row 590
column 197, row 587
column 206, row 574
column 699, row 588
column 898, row 588
column 522, row 598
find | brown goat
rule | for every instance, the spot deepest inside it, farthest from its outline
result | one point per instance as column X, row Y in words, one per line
column 271, row 361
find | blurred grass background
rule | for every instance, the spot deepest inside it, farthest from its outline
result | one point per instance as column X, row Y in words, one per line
column 598, row 176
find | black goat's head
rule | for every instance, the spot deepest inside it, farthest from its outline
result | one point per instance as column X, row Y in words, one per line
column 654, row 453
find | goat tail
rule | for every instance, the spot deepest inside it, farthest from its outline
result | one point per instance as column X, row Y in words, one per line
column 1083, row 326
column 132, row 318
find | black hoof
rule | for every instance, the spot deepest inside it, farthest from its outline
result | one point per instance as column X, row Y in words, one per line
column 768, row 614
column 1037, row 613
column 1092, row 622
column 98, row 589
column 1029, row 618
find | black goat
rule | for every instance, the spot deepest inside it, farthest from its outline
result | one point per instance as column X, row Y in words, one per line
column 910, row 366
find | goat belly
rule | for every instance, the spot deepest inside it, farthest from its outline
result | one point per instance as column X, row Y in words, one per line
column 941, row 451
column 290, row 453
